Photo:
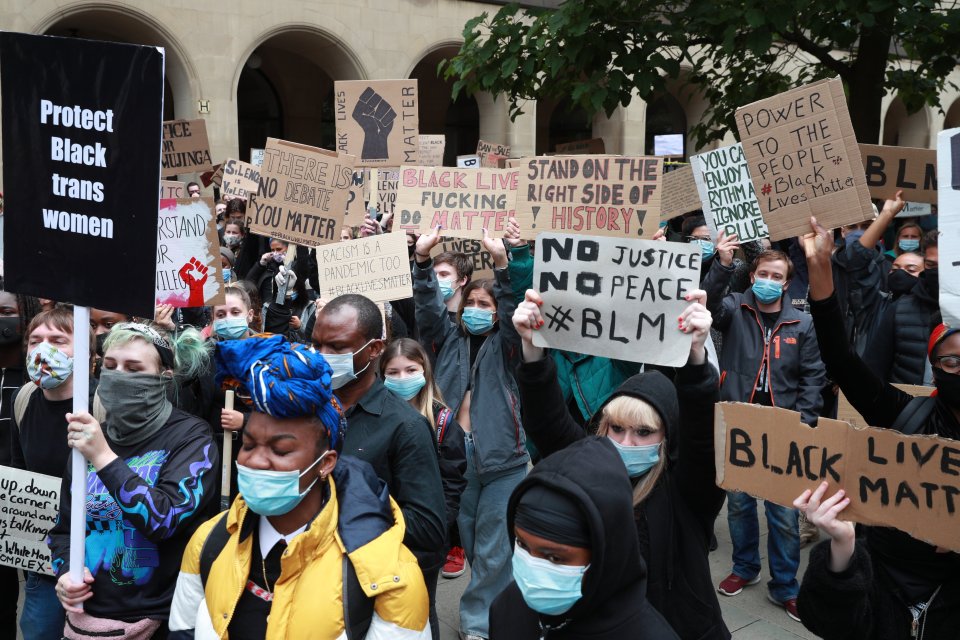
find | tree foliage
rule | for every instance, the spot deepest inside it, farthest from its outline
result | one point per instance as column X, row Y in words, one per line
column 601, row 53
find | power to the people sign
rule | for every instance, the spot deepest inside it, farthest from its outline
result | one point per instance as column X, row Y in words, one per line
column 82, row 124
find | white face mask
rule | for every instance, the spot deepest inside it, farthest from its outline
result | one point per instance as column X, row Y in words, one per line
column 342, row 365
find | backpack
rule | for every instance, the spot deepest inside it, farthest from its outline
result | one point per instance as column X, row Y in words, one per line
column 357, row 607
column 914, row 415
column 22, row 400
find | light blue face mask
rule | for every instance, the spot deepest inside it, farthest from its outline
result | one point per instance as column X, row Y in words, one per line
column 707, row 248
column 407, row 388
column 447, row 289
column 227, row 274
column 638, row 460
column 547, row 588
column 273, row 493
column 477, row 320
column 342, row 365
column 231, row 328
column 767, row 291
column 909, row 244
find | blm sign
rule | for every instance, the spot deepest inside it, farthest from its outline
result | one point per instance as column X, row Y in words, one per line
column 82, row 124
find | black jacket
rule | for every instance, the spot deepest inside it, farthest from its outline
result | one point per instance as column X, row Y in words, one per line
column 613, row 604
column 676, row 519
column 452, row 456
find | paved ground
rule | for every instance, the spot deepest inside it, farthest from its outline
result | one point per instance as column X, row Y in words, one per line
column 749, row 616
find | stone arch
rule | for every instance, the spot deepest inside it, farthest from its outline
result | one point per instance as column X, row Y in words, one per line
column 903, row 129
column 952, row 118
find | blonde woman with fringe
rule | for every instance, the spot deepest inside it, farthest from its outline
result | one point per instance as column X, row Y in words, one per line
column 663, row 433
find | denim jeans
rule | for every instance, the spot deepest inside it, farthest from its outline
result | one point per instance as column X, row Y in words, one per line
column 483, row 531
column 43, row 615
column 783, row 543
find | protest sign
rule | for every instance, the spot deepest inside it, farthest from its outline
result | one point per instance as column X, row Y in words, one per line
column 892, row 168
column 597, row 195
column 172, row 189
column 726, row 192
column 431, row 150
column 846, row 412
column 256, row 157
column 615, row 297
column 948, row 189
column 593, row 146
column 81, row 206
column 188, row 254
column 679, row 193
column 915, row 210
column 892, row 480
column 492, row 155
column 386, row 182
column 303, row 193
column 378, row 121
column 29, row 506
column 463, row 201
column 185, row 147
column 239, row 179
column 473, row 249
column 471, row 161
column 356, row 208
column 804, row 159
column 376, row 267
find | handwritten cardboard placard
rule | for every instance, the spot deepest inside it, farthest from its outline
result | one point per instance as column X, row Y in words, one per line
column 948, row 160
column 463, row 201
column 891, row 168
column 431, row 150
column 188, row 254
column 240, row 178
column 492, row 155
column 378, row 121
column 376, row 267
column 846, row 412
column 29, row 506
column 185, row 147
column 614, row 297
column 595, row 195
column 303, row 192
column 729, row 201
column 679, row 193
column 172, row 189
column 386, row 182
column 892, row 480
column 804, row 159
column 593, row 146
column 356, row 201
column 471, row 161
column 473, row 249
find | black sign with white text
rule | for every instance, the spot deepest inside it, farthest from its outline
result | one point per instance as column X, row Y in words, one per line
column 82, row 125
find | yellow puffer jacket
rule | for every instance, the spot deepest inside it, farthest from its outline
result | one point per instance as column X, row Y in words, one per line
column 308, row 597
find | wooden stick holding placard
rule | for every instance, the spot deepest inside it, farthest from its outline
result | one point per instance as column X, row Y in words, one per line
column 227, row 462
column 78, row 465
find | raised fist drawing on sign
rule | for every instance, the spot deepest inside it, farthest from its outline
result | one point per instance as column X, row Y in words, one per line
column 375, row 116
column 194, row 282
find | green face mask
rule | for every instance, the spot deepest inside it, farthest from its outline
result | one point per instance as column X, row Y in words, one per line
column 136, row 405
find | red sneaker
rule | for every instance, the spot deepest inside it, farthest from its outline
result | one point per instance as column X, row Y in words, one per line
column 454, row 567
column 734, row 584
column 790, row 606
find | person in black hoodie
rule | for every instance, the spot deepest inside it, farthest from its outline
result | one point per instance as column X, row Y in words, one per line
column 663, row 431
column 575, row 574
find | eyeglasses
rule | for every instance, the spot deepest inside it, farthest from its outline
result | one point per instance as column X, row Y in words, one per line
column 950, row 364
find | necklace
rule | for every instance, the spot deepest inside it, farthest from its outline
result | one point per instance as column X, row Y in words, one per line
column 263, row 567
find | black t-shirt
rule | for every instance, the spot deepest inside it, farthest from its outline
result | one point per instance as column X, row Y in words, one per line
column 39, row 444
column 761, row 393
column 250, row 617
column 11, row 379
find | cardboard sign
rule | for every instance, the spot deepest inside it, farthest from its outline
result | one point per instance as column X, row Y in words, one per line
column 239, row 179
column 892, row 480
column 303, row 192
column 907, row 168
column 614, row 297
column 356, row 208
column 595, row 195
column 378, row 121
column 471, row 161
column 463, row 201
column 492, row 155
column 915, row 210
column 173, row 189
column 376, row 267
column 473, row 249
column 729, row 201
column 431, row 150
column 81, row 205
column 948, row 160
column 593, row 146
column 185, row 147
column 679, row 193
column 386, row 182
column 804, row 159
column 29, row 506
column 188, row 254
column 846, row 412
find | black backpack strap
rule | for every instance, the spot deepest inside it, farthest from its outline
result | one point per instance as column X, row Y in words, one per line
column 357, row 607
column 212, row 546
column 915, row 415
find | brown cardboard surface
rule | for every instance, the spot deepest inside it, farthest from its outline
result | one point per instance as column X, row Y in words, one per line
column 172, row 189
column 492, row 154
column 431, row 150
column 378, row 121
column 239, row 178
column 908, row 168
column 679, row 193
column 907, row 482
column 804, row 160
column 846, row 412
column 592, row 195
column 356, row 201
column 376, row 267
column 473, row 249
column 593, row 146
column 463, row 201
column 303, row 192
column 188, row 254
column 385, row 182
column 185, row 148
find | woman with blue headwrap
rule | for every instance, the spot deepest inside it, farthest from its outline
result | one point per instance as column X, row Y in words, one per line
column 312, row 546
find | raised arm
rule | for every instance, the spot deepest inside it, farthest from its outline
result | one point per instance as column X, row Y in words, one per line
column 503, row 291
column 433, row 321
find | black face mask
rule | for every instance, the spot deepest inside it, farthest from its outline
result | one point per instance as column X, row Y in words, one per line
column 100, row 340
column 410, row 249
column 900, row 282
column 948, row 387
column 10, row 331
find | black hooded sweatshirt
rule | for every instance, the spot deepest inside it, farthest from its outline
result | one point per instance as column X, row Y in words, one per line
column 674, row 522
column 613, row 605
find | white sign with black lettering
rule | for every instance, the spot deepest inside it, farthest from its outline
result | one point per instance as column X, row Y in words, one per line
column 29, row 503
column 614, row 297
column 948, row 195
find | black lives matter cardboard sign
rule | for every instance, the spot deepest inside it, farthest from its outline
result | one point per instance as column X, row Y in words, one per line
column 82, row 203
column 907, row 168
column 378, row 121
